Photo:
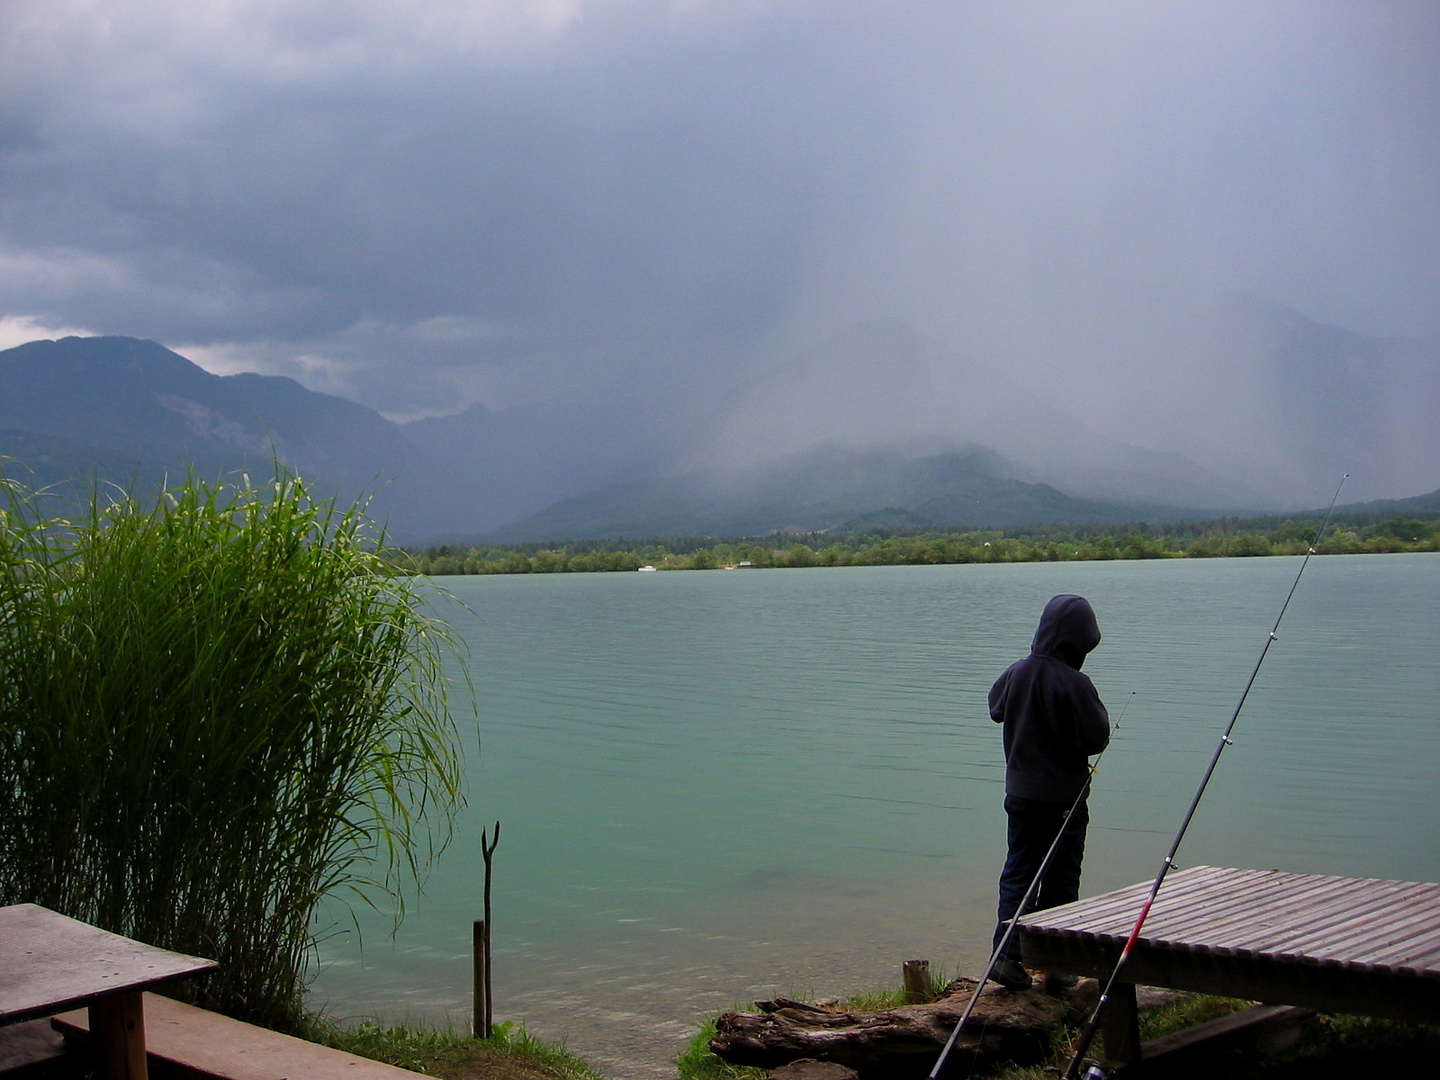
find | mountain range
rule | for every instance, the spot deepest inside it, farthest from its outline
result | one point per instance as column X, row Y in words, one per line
column 876, row 427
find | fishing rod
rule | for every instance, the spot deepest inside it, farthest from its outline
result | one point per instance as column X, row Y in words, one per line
column 1072, row 1070
column 1026, row 899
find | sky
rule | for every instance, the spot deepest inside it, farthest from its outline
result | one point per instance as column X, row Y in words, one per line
column 425, row 204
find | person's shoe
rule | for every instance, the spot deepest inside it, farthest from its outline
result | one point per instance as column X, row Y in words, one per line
column 1058, row 983
column 1010, row 975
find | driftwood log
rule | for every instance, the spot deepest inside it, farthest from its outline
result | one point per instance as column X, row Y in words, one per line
column 1007, row 1025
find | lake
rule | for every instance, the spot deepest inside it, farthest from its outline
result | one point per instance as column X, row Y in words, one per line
column 723, row 785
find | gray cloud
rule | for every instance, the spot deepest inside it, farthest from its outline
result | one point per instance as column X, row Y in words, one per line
column 429, row 203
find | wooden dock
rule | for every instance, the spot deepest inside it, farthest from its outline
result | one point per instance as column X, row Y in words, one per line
column 1334, row 944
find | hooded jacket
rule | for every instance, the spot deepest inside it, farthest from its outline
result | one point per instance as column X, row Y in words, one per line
column 1053, row 717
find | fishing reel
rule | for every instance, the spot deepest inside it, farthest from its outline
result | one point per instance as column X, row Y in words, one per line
column 1093, row 1070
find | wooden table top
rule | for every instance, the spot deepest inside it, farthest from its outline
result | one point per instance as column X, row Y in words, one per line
column 49, row 963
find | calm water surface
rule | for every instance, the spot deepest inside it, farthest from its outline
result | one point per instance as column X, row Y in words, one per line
column 717, row 786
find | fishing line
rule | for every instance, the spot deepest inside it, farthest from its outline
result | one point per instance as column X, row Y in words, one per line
column 1027, row 898
column 1093, row 1024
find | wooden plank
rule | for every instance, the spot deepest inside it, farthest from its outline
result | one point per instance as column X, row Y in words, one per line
column 197, row 1043
column 1336, row 944
column 1327, row 990
column 1386, row 923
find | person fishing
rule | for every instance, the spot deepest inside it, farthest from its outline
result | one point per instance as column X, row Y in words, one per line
column 1053, row 721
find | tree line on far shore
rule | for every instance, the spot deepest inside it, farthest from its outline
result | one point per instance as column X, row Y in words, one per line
column 1216, row 538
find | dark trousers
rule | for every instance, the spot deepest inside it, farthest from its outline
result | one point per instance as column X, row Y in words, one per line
column 1031, row 830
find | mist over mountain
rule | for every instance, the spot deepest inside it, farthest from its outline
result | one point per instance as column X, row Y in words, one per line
column 1261, row 411
column 882, row 385
column 1253, row 390
column 828, row 488
column 486, row 469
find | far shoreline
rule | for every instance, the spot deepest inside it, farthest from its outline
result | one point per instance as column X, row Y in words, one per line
column 1348, row 534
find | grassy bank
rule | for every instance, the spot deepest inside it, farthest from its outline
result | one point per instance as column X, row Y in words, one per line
column 511, row 1054
column 1217, row 538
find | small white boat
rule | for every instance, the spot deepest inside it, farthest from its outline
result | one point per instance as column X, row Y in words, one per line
column 645, row 568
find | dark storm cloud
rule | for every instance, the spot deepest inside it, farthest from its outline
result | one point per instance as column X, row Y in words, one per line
column 601, row 186
column 427, row 203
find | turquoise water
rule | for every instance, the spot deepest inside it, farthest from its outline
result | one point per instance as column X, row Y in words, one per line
column 720, row 785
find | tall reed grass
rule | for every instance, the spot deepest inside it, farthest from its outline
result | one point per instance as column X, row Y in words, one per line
column 216, row 710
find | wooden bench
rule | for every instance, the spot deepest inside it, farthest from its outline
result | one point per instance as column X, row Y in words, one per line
column 30, row 1050
column 183, row 1041
column 1195, row 1050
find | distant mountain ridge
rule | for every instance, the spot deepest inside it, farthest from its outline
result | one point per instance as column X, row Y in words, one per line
column 139, row 403
column 789, row 450
column 826, row 489
column 132, row 412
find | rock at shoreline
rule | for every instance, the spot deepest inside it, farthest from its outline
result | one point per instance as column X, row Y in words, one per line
column 1007, row 1025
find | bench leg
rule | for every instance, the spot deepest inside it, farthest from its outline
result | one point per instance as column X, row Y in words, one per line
column 117, row 1025
column 1120, row 1026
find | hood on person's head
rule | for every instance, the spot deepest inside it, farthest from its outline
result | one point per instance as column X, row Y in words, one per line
column 1067, row 630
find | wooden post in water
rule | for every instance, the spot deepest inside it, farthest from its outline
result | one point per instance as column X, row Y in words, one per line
column 484, row 992
column 916, row 976
column 481, row 972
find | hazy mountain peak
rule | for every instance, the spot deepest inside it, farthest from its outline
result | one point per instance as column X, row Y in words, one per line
column 878, row 383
